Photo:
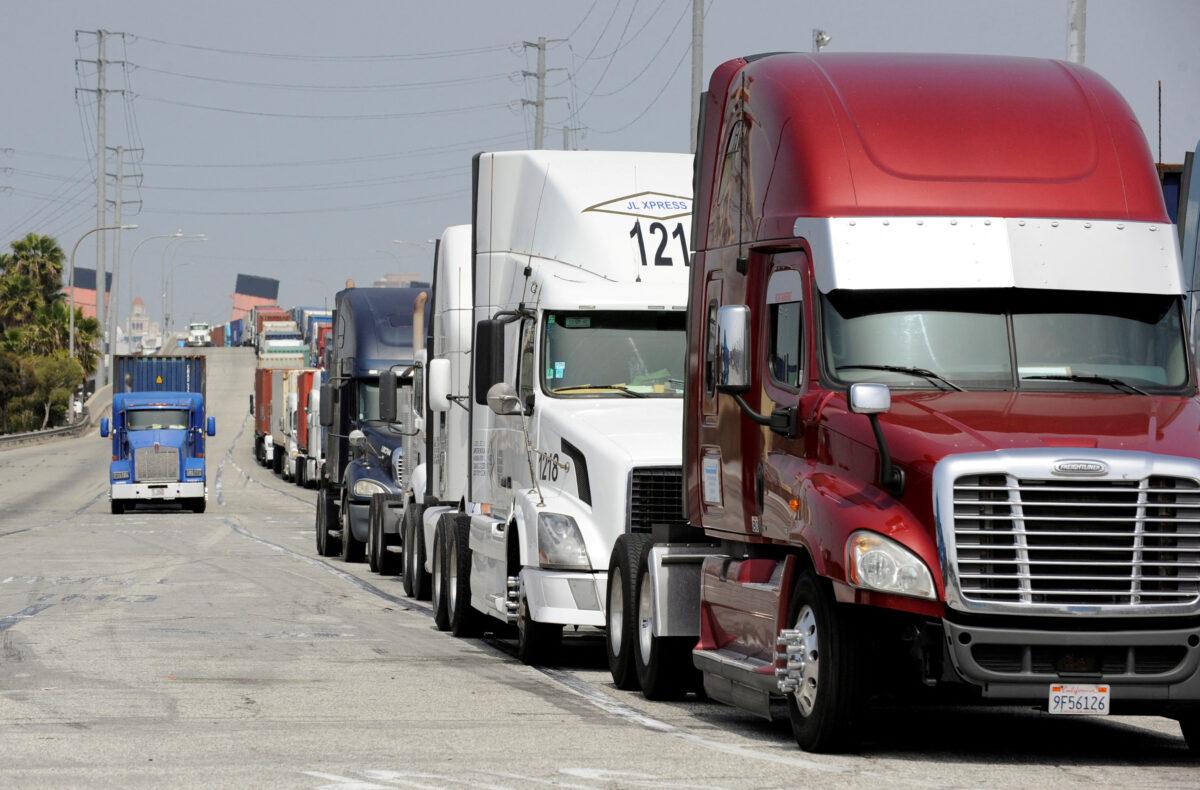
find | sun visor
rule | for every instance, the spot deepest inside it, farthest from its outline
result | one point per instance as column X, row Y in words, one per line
column 886, row 253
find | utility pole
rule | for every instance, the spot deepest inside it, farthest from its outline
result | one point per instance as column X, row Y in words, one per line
column 697, row 65
column 1077, row 31
column 102, row 90
column 119, row 201
column 539, row 105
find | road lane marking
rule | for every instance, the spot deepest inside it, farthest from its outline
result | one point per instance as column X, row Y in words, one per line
column 9, row 621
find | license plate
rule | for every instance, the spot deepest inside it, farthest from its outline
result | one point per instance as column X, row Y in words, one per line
column 157, row 493
column 1076, row 700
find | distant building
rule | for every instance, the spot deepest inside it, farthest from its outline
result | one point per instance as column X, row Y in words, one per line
column 400, row 281
column 251, row 291
column 85, row 290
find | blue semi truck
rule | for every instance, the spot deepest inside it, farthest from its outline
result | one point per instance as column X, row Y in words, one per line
column 158, row 431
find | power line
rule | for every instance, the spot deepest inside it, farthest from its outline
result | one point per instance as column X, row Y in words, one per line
column 579, row 107
column 579, row 24
column 322, row 210
column 650, row 61
column 431, row 55
column 360, row 88
column 644, row 26
column 300, row 162
column 367, row 117
column 356, row 184
column 653, row 101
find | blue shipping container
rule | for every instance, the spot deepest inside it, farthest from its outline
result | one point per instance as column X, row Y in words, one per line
column 158, row 374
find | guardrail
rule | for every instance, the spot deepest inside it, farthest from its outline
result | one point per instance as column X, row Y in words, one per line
column 101, row 397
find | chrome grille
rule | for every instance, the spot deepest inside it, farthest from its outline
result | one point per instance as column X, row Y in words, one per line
column 1070, row 542
column 156, row 464
column 655, row 497
column 398, row 468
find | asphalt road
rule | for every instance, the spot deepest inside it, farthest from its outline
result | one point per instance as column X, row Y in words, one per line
column 170, row 649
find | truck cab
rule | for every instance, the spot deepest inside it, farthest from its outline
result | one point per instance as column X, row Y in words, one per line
column 576, row 293
column 940, row 424
column 199, row 333
column 158, row 453
column 373, row 333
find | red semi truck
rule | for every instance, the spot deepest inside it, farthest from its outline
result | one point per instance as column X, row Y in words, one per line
column 941, row 419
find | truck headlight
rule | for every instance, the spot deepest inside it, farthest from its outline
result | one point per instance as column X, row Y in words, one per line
column 878, row 563
column 120, row 475
column 364, row 488
column 195, row 472
column 560, row 543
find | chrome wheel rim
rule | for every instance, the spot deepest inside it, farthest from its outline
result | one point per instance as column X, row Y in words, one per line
column 810, row 665
column 616, row 613
column 452, row 577
column 645, row 621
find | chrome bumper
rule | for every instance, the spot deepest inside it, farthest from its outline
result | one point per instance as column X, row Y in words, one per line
column 165, row 492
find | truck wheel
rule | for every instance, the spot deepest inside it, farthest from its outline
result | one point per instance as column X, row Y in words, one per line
column 298, row 478
column 416, row 578
column 441, row 591
column 277, row 462
column 464, row 620
column 1189, row 724
column 537, row 643
column 664, row 663
column 352, row 550
column 327, row 545
column 118, row 507
column 621, row 610
column 382, row 561
column 824, row 709
column 199, row 505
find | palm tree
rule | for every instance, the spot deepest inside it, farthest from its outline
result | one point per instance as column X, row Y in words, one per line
column 19, row 298
column 41, row 259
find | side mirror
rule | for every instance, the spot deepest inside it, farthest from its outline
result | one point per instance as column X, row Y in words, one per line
column 387, row 396
column 326, row 414
column 733, row 348
column 489, row 357
column 212, row 426
column 357, row 438
column 104, row 427
column 438, row 377
column 870, row 398
column 251, row 405
column 502, row 398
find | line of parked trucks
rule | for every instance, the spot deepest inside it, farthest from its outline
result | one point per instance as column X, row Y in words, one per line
column 915, row 410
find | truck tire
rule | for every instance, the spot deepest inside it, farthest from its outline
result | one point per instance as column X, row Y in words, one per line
column 352, row 549
column 464, row 620
column 118, row 507
column 416, row 578
column 277, row 462
column 298, row 477
column 664, row 663
column 381, row 561
column 825, row 710
column 441, row 592
column 327, row 545
column 537, row 643
column 620, row 607
column 1189, row 724
column 198, row 505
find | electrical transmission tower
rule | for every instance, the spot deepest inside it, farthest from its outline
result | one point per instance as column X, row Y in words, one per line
column 539, row 104
column 118, row 203
column 101, row 90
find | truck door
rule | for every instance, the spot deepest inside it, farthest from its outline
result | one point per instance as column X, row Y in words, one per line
column 782, row 322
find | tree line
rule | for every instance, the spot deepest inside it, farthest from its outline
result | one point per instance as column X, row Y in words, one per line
column 37, row 375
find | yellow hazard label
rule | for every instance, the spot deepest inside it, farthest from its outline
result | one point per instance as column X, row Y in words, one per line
column 158, row 380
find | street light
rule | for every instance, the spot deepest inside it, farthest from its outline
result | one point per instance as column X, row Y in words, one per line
column 133, row 257
column 162, row 272
column 100, row 291
column 171, row 280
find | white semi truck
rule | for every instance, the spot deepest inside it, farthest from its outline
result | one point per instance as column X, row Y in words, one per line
column 554, row 392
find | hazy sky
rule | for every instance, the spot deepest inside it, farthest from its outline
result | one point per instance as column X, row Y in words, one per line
column 445, row 84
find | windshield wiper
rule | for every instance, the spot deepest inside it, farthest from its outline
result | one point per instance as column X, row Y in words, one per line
column 621, row 388
column 1087, row 378
column 921, row 372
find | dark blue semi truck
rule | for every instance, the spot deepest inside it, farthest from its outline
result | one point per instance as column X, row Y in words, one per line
column 372, row 333
column 158, row 432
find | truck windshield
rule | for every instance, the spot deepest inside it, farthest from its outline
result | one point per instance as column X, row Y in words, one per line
column 1006, row 339
column 156, row 419
column 368, row 400
column 614, row 354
